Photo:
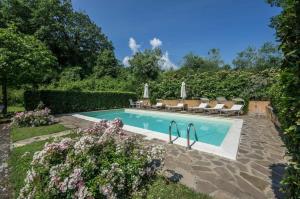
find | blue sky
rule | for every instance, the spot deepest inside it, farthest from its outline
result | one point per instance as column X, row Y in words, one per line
column 183, row 26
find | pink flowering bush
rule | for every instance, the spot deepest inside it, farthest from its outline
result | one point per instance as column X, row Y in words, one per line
column 33, row 118
column 104, row 162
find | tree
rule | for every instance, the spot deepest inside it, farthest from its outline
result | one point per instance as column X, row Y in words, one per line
column 23, row 60
column 71, row 74
column 106, row 64
column 245, row 59
column 286, row 94
column 72, row 37
column 267, row 56
column 196, row 62
column 145, row 66
column 214, row 56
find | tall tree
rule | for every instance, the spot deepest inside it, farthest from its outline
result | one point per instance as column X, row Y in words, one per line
column 72, row 37
column 145, row 65
column 214, row 56
column 245, row 59
column 106, row 64
column 286, row 95
column 196, row 62
column 23, row 60
column 267, row 56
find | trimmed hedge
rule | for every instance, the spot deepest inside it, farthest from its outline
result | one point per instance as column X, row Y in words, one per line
column 74, row 101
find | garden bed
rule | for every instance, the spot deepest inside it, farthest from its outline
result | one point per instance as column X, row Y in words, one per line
column 21, row 158
column 153, row 186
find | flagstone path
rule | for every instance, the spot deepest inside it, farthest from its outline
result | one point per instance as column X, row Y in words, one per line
column 40, row 138
column 255, row 174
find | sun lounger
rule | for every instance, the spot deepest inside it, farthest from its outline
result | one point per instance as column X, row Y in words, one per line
column 158, row 105
column 236, row 108
column 198, row 108
column 215, row 109
column 179, row 106
column 133, row 104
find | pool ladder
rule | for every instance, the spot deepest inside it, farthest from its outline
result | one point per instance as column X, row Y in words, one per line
column 170, row 131
column 191, row 125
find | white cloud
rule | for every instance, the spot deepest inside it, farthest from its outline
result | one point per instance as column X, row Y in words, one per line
column 165, row 63
column 133, row 45
column 155, row 43
column 126, row 61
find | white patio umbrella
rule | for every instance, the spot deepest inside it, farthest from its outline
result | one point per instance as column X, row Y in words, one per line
column 183, row 91
column 146, row 91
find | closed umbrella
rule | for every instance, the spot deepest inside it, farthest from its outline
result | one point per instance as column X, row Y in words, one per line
column 146, row 91
column 183, row 91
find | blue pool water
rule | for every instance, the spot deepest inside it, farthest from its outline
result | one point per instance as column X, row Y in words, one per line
column 210, row 131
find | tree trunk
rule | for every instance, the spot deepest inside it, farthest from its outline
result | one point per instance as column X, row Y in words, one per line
column 4, row 95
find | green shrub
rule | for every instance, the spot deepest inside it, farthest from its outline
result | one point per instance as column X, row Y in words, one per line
column 104, row 162
column 229, row 84
column 75, row 101
column 286, row 92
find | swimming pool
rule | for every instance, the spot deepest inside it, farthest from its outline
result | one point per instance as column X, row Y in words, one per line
column 211, row 133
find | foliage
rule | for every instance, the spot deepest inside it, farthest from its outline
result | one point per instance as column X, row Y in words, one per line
column 28, row 132
column 21, row 157
column 245, row 84
column 268, row 56
column 73, row 101
column 160, row 188
column 145, row 65
column 71, row 74
column 286, row 93
column 71, row 36
column 106, row 64
column 19, row 162
column 214, row 56
column 14, row 109
column 23, row 60
column 33, row 118
column 103, row 163
column 192, row 61
column 14, row 96
column 94, row 84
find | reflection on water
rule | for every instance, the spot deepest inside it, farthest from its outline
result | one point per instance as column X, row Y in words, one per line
column 207, row 130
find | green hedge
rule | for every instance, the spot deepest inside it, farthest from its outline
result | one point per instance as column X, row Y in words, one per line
column 75, row 101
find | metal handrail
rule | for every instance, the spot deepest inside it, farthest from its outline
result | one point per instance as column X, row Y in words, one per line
column 188, row 135
column 170, row 131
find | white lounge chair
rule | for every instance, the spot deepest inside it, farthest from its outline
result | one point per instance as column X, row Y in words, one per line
column 179, row 106
column 215, row 109
column 158, row 105
column 133, row 104
column 236, row 108
column 198, row 108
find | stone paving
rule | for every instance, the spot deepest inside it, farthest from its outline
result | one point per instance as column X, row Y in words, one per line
column 4, row 152
column 255, row 174
column 39, row 138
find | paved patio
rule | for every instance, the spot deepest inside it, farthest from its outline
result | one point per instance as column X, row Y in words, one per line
column 255, row 174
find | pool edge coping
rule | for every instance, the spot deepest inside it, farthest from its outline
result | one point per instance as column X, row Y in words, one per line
column 228, row 149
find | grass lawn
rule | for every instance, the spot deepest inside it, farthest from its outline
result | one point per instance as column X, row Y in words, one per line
column 160, row 188
column 14, row 109
column 19, row 164
column 28, row 132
